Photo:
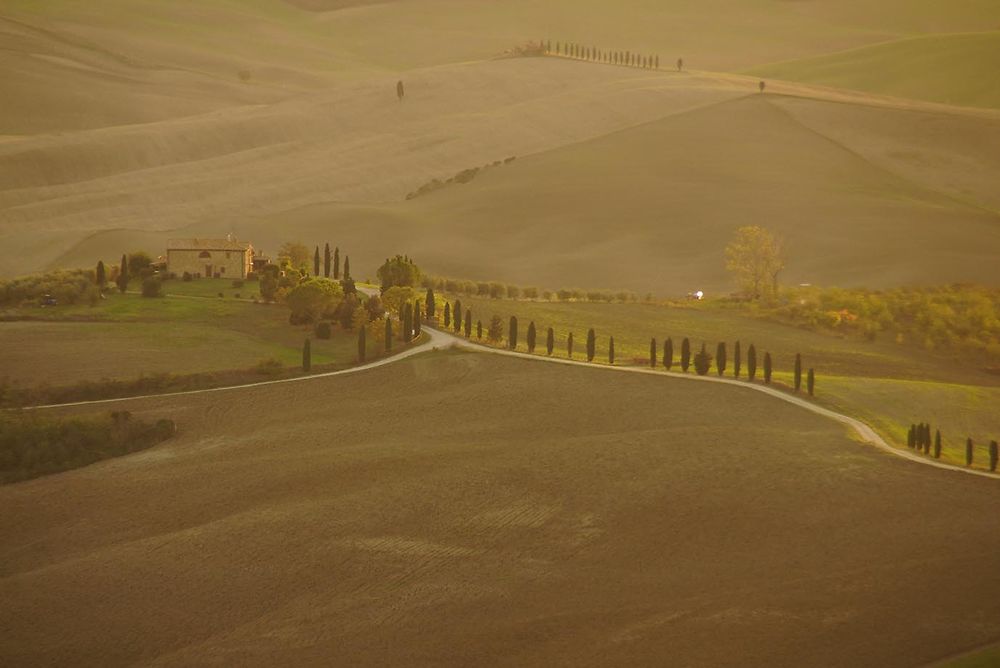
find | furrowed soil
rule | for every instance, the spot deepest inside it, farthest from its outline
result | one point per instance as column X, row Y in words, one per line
column 494, row 511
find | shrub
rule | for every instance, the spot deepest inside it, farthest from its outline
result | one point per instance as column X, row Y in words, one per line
column 323, row 330
column 702, row 362
column 152, row 287
column 186, row 277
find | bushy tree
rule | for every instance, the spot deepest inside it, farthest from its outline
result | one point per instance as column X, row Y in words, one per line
column 737, row 360
column 530, row 339
column 307, row 355
column 400, row 270
column 611, row 350
column 550, row 341
column 685, row 355
column 293, row 254
column 702, row 362
column 668, row 354
column 755, row 257
column 591, row 345
column 968, row 452
column 811, row 388
column 447, row 315
column 569, row 345
column 751, row 363
column 798, row 372
column 362, row 346
column 138, row 263
column 430, row 305
column 512, row 333
column 652, row 353
column 720, row 358
column 312, row 298
column 495, row 332
column 767, row 368
column 388, row 335
column 100, row 275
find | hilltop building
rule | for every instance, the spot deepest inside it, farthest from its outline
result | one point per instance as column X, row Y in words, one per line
column 211, row 258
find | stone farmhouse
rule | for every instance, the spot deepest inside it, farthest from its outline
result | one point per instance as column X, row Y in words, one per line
column 211, row 258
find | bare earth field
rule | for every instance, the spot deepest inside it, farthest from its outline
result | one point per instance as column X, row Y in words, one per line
column 497, row 512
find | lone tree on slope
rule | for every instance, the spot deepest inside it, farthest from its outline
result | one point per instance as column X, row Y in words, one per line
column 755, row 257
column 685, row 354
column 668, row 353
column 512, row 333
column 751, row 363
column 720, row 358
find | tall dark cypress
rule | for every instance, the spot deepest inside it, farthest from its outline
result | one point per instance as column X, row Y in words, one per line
column 911, row 437
column 326, row 261
column 123, row 275
column 569, row 345
column 530, row 339
column 316, row 262
column 468, row 323
column 652, row 353
column 407, row 322
column 685, row 355
column 927, row 439
column 362, row 345
column 347, row 268
column 611, row 350
column 447, row 315
column 307, row 355
column 388, row 334
column 968, row 451
column 336, row 263
column 994, row 455
column 456, row 315
column 720, row 358
column 416, row 319
column 668, row 353
column 430, row 306
column 811, row 387
column 767, row 368
column 591, row 345
column 751, row 363
column 937, row 444
column 550, row 341
column 512, row 333
column 737, row 360
column 798, row 372
column 100, row 275
column 479, row 329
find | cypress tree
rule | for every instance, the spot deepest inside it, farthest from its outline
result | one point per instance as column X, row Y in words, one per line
column 611, row 351
column 388, row 335
column 326, row 261
column 531, row 337
column 468, row 323
column 668, row 353
column 456, row 315
column 652, row 353
column 550, row 341
column 407, row 322
column 767, row 368
column 100, row 274
column 416, row 319
column 307, row 355
column 361, row 345
column 316, row 262
column 685, row 354
column 798, row 372
column 737, row 360
column 123, row 275
column 347, row 268
column 811, row 387
column 751, row 363
column 591, row 345
column 927, row 439
column 479, row 329
column 569, row 345
column 968, row 451
column 911, row 437
column 430, row 306
column 512, row 333
column 720, row 358
column 994, row 455
column 336, row 263
column 937, row 444
column 447, row 315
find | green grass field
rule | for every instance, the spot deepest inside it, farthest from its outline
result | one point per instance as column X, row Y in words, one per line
column 886, row 384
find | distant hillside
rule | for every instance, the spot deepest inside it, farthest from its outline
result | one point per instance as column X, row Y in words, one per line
column 956, row 69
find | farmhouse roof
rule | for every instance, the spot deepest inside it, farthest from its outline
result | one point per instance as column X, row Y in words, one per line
column 207, row 244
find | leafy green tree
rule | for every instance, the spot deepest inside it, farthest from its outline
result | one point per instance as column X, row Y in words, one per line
column 720, row 358
column 530, row 340
column 767, row 368
column 685, row 355
column 388, row 334
column 430, row 305
column 668, row 353
column 100, row 276
column 652, row 353
column 362, row 345
column 293, row 254
column 307, row 355
column 737, row 360
column 336, row 263
column 326, row 261
column 937, row 444
column 755, row 257
column 591, row 345
column 138, row 263
column 811, row 388
column 611, row 350
column 798, row 372
column 550, row 341
column 400, row 270
column 407, row 322
column 702, row 362
column 994, row 455
column 512, row 333
column 751, row 363
column 468, row 323
column 123, row 275
column 968, row 452
column 447, row 315
column 316, row 262
column 312, row 298
column 495, row 332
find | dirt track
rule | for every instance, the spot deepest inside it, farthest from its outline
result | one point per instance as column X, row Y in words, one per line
column 497, row 512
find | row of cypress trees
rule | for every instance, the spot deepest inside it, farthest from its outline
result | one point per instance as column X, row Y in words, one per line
column 919, row 438
column 331, row 263
column 592, row 53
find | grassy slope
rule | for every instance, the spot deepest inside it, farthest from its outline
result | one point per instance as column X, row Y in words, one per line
column 953, row 69
column 127, row 336
column 887, row 385
column 545, row 515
